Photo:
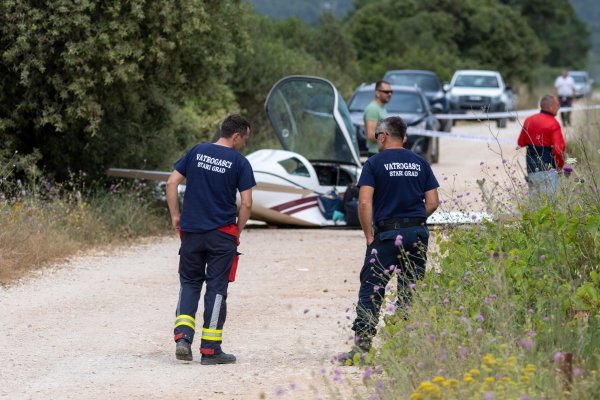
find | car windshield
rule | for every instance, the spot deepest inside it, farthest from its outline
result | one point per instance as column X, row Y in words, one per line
column 400, row 103
column 578, row 78
column 478, row 81
column 426, row 82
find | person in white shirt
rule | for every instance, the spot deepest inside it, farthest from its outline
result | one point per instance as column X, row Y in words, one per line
column 564, row 89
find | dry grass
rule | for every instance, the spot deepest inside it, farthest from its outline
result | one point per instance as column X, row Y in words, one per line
column 35, row 233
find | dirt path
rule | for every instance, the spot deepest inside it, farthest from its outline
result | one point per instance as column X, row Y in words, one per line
column 100, row 326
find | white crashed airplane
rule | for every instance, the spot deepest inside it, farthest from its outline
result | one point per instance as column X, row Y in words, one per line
column 320, row 154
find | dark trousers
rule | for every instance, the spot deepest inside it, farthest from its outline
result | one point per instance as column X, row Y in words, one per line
column 565, row 117
column 204, row 257
column 382, row 258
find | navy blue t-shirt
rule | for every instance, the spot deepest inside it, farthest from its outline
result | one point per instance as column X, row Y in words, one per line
column 213, row 174
column 400, row 178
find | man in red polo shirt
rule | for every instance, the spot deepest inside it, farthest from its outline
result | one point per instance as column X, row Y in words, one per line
column 543, row 137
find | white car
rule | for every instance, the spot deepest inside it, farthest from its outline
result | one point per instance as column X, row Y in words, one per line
column 479, row 91
column 583, row 83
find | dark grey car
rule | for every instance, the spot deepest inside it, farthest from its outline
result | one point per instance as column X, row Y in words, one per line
column 429, row 83
column 407, row 102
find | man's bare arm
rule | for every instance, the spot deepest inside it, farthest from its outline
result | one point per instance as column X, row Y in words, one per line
column 432, row 201
column 245, row 209
column 175, row 179
column 370, row 127
column 365, row 212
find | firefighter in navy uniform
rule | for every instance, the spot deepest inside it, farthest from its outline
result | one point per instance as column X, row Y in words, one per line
column 209, row 233
column 397, row 192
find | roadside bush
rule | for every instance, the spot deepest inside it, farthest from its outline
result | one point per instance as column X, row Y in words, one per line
column 42, row 221
column 512, row 309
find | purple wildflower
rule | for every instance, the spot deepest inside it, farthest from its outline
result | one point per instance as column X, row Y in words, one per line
column 557, row 356
column 337, row 375
column 480, row 318
column 398, row 241
column 578, row 372
column 372, row 260
column 442, row 356
column 306, row 310
column 374, row 251
column 542, row 257
column 527, row 344
column 280, row 391
column 367, row 373
column 391, row 308
column 489, row 396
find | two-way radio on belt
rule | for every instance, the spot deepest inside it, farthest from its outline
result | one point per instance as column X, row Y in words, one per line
column 481, row 116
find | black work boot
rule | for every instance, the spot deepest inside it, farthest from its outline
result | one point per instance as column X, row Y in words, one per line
column 356, row 356
column 220, row 358
column 183, row 350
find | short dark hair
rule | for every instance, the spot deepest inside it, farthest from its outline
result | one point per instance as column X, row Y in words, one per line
column 379, row 83
column 395, row 126
column 232, row 124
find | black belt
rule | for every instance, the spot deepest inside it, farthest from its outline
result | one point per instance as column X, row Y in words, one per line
column 397, row 223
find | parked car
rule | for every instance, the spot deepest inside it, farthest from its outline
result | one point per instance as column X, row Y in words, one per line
column 429, row 83
column 478, row 90
column 407, row 102
column 583, row 83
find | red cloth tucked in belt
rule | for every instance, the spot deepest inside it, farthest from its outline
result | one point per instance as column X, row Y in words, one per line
column 232, row 230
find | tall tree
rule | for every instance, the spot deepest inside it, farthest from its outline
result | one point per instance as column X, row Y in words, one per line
column 288, row 47
column 99, row 83
column 559, row 28
column 443, row 35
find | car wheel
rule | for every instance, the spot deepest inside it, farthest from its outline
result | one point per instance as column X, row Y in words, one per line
column 501, row 123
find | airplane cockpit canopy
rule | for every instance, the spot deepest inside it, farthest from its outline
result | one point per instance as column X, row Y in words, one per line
column 311, row 118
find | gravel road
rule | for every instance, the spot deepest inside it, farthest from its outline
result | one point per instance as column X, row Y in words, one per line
column 100, row 326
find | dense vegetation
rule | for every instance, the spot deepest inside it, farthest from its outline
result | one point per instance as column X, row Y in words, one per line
column 97, row 84
column 511, row 309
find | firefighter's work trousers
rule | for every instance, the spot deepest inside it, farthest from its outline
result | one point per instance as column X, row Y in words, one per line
column 204, row 257
column 406, row 256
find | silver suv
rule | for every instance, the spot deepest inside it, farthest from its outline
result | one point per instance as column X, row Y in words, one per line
column 480, row 91
column 583, row 83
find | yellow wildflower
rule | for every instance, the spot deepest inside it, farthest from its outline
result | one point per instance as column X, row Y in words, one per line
column 438, row 379
column 474, row 372
column 524, row 378
column 489, row 359
column 450, row 383
column 489, row 379
column 468, row 379
column 416, row 396
column 530, row 368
